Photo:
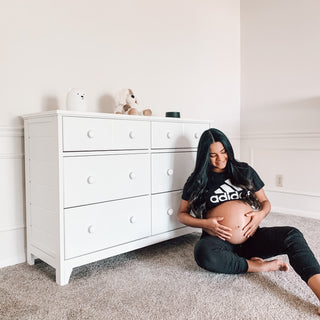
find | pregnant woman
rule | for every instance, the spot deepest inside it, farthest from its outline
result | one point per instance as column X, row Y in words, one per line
column 226, row 199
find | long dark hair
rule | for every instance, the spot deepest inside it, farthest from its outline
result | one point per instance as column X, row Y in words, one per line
column 197, row 182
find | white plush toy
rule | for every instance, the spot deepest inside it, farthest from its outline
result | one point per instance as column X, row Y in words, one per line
column 126, row 103
column 77, row 100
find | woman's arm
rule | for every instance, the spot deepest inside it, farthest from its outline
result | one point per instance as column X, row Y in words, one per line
column 257, row 216
column 211, row 226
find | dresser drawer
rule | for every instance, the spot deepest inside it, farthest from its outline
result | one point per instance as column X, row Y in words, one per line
column 171, row 170
column 88, row 134
column 176, row 135
column 101, row 178
column 164, row 212
column 100, row 226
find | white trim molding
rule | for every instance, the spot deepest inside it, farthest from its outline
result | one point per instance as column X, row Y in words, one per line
column 294, row 202
column 12, row 156
column 294, row 156
column 294, row 192
column 294, row 212
column 10, row 228
column 279, row 135
column 11, row 131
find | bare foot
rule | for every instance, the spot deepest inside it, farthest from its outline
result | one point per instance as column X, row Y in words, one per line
column 256, row 264
column 256, row 259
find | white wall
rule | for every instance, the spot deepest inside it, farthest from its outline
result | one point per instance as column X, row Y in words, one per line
column 179, row 55
column 280, row 69
column 280, row 99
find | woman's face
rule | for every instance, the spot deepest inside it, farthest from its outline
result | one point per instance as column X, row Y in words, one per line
column 218, row 157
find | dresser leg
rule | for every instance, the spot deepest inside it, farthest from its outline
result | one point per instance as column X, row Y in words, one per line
column 63, row 275
column 30, row 259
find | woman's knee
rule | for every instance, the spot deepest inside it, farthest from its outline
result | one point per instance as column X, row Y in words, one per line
column 294, row 234
column 207, row 258
column 294, row 239
column 216, row 255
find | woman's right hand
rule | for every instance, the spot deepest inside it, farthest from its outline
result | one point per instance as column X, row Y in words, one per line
column 214, row 228
column 209, row 225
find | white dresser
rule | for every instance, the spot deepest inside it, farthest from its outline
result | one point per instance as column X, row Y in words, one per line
column 98, row 185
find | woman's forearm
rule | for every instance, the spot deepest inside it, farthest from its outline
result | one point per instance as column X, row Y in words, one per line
column 265, row 203
column 265, row 207
column 191, row 221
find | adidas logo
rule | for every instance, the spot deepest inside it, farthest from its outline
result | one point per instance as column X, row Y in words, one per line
column 226, row 192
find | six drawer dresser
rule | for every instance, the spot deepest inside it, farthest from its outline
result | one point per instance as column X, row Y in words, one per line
column 100, row 184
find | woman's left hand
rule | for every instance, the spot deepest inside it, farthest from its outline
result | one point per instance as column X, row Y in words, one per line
column 252, row 226
column 257, row 216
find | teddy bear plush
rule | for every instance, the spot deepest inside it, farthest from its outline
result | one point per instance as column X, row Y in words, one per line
column 126, row 103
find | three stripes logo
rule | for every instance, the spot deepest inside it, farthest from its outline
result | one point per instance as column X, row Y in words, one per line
column 226, row 192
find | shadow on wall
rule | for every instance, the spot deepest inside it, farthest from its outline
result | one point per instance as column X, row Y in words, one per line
column 49, row 103
column 106, row 103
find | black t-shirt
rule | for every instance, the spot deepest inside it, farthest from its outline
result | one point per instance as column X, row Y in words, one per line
column 219, row 188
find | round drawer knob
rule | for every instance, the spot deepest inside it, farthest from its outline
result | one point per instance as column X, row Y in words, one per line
column 196, row 135
column 132, row 175
column 169, row 135
column 170, row 212
column 133, row 219
column 170, row 172
column 91, row 229
column 90, row 134
column 132, row 135
column 91, row 180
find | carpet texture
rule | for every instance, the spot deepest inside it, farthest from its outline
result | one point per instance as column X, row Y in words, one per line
column 160, row 282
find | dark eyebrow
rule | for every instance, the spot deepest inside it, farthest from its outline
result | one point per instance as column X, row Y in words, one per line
column 223, row 149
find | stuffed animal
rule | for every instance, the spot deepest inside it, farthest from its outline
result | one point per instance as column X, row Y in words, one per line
column 126, row 103
column 76, row 100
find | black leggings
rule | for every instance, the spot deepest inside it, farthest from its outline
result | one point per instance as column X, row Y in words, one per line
column 216, row 255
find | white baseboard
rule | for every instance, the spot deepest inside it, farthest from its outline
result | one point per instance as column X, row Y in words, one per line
column 11, row 261
column 14, row 251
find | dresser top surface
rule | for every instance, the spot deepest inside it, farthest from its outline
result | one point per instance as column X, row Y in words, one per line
column 86, row 114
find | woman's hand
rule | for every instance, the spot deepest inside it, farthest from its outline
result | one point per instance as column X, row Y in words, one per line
column 214, row 228
column 257, row 216
column 252, row 226
column 210, row 225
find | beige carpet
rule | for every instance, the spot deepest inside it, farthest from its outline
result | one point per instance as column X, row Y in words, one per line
column 160, row 282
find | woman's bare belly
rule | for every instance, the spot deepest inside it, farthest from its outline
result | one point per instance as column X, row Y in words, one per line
column 234, row 217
